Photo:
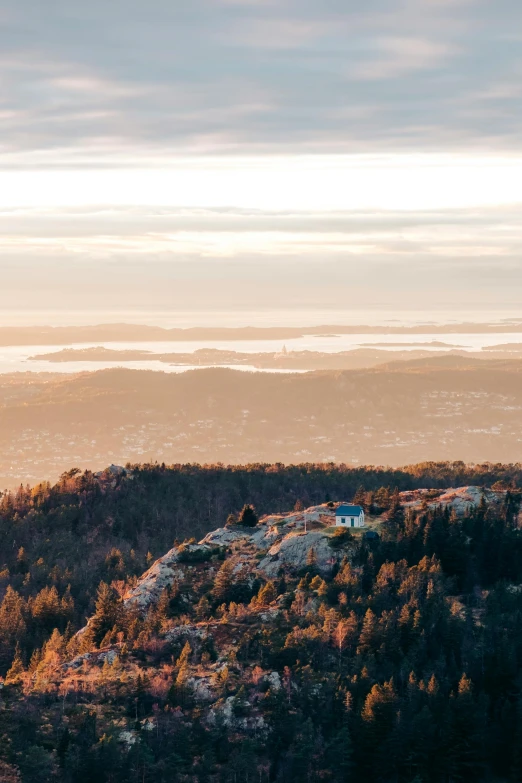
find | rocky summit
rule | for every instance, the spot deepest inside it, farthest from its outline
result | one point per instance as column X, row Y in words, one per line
column 284, row 543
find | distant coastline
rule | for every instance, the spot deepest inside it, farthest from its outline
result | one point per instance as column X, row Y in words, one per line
column 63, row 335
column 357, row 358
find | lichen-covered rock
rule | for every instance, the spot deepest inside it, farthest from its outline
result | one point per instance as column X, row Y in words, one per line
column 460, row 500
column 159, row 576
column 274, row 680
column 293, row 552
column 250, row 724
column 186, row 632
column 128, row 737
column 224, row 536
column 93, row 658
column 322, row 514
column 201, row 688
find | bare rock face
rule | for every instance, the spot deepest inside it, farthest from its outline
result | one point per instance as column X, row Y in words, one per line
column 111, row 475
column 277, row 544
column 464, row 499
column 159, row 576
column 224, row 536
column 201, row 688
column 323, row 515
column 282, row 542
column 281, row 538
column 460, row 500
column 253, row 724
column 93, row 658
column 274, row 681
column 294, row 550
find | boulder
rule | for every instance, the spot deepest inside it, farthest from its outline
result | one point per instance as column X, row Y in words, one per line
column 292, row 552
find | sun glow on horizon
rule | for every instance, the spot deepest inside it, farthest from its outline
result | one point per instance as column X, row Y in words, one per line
column 320, row 183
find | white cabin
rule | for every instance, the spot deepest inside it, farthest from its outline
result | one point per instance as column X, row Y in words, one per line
column 349, row 516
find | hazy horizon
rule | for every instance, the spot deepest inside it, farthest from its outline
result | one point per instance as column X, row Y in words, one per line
column 298, row 316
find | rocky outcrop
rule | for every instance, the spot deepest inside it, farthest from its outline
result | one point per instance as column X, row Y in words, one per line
column 282, row 542
column 294, row 551
column 93, row 659
column 460, row 500
column 159, row 576
column 253, row 724
column 111, row 475
column 225, row 536
column 277, row 531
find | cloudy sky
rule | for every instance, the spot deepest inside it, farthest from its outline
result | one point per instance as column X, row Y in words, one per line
column 257, row 154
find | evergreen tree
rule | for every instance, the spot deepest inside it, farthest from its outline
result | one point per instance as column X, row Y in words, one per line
column 394, row 517
column 13, row 627
column 248, row 517
column 203, row 608
column 224, row 581
column 360, row 496
column 108, row 613
column 16, row 672
column 267, row 594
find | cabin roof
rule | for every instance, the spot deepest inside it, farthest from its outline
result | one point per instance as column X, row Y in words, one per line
column 346, row 510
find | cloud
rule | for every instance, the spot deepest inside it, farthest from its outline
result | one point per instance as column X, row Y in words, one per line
column 396, row 57
column 315, row 75
column 180, row 236
column 247, row 121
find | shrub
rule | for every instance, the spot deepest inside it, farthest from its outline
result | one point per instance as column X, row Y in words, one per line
column 199, row 555
column 340, row 538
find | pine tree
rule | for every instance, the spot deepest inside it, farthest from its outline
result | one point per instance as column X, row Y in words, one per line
column 223, row 581
column 359, row 497
column 22, row 565
column 340, row 637
column 267, row 594
column 394, row 517
column 108, row 613
column 16, row 672
column 311, row 558
column 12, row 626
column 248, row 517
column 182, row 662
column 368, row 637
column 466, row 737
column 202, row 609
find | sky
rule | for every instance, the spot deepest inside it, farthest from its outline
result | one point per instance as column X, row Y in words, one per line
column 260, row 156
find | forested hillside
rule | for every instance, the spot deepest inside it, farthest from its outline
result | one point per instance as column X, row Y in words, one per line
column 85, row 528
column 395, row 657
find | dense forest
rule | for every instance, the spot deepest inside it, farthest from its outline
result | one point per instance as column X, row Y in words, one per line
column 399, row 661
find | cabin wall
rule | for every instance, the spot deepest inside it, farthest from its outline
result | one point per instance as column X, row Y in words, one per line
column 357, row 521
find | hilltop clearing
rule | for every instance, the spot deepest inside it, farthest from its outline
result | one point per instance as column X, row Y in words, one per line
column 285, row 543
